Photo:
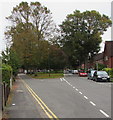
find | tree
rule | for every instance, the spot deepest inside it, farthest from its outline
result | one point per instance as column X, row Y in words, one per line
column 10, row 57
column 32, row 26
column 57, row 59
column 81, row 34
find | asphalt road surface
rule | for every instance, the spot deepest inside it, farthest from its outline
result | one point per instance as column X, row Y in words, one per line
column 68, row 97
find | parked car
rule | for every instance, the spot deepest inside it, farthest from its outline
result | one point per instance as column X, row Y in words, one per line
column 83, row 73
column 90, row 74
column 101, row 76
column 75, row 71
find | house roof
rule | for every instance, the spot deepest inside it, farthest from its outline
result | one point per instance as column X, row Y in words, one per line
column 108, row 49
column 99, row 56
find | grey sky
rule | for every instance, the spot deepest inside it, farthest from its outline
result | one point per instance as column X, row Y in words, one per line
column 59, row 11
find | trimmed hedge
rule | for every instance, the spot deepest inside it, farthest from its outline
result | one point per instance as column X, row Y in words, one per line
column 6, row 73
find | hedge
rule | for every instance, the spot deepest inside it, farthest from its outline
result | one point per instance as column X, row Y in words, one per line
column 6, row 73
column 109, row 71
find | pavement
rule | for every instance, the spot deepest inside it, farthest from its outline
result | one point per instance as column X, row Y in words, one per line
column 68, row 97
column 22, row 104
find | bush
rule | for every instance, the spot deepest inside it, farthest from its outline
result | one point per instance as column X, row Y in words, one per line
column 6, row 73
column 100, row 66
column 109, row 71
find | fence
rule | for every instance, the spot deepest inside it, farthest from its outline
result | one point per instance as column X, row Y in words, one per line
column 4, row 91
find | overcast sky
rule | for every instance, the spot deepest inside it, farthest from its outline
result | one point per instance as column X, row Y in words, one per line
column 59, row 12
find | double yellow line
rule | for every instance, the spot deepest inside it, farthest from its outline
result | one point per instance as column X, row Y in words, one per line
column 44, row 107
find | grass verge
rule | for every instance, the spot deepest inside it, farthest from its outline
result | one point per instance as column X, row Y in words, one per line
column 47, row 75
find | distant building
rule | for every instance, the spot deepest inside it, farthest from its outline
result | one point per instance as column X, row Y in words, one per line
column 108, row 54
column 106, row 57
column 99, row 58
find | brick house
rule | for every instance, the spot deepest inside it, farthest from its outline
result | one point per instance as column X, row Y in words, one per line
column 106, row 57
column 99, row 58
column 108, row 54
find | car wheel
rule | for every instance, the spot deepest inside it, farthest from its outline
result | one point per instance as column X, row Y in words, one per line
column 93, row 79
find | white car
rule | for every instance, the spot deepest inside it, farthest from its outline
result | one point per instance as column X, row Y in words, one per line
column 75, row 71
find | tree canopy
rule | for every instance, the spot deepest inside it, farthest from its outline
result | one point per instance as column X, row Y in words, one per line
column 81, row 34
column 31, row 33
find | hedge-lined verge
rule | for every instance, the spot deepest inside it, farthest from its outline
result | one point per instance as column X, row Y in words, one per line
column 6, row 73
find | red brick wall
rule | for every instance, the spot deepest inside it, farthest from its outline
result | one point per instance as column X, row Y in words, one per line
column 109, row 62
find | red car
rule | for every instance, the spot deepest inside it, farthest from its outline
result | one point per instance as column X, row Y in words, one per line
column 83, row 73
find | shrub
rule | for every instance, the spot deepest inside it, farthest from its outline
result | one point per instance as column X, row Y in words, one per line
column 100, row 66
column 6, row 73
column 109, row 71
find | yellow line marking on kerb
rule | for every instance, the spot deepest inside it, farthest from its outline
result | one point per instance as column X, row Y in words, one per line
column 41, row 103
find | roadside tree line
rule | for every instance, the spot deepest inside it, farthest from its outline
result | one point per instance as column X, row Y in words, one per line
column 35, row 42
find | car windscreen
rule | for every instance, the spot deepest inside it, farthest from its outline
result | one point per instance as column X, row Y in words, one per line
column 102, row 73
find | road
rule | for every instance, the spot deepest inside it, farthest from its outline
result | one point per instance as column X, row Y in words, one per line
column 68, row 97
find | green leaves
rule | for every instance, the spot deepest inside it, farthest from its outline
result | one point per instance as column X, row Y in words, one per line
column 81, row 33
column 6, row 73
column 29, row 35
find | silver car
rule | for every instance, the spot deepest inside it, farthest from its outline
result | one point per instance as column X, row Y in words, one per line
column 90, row 74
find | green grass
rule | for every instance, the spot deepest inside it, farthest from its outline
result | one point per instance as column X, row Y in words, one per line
column 47, row 75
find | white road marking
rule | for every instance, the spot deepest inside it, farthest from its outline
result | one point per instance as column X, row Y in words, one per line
column 13, row 104
column 85, row 97
column 104, row 113
column 80, row 93
column 93, row 103
column 61, row 79
column 76, row 89
column 20, row 91
column 68, row 82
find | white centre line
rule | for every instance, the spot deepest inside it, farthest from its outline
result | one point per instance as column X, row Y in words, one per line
column 85, row 97
column 104, row 113
column 93, row 103
column 68, row 83
column 80, row 93
column 76, row 89
column 73, row 87
column 61, row 79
